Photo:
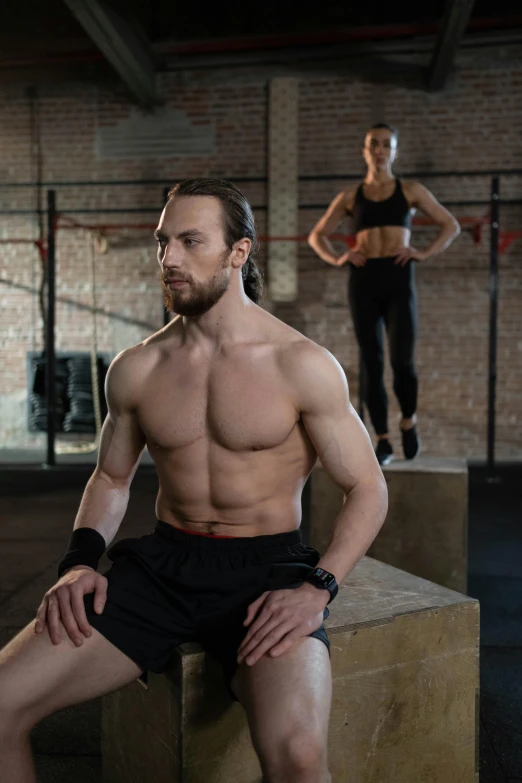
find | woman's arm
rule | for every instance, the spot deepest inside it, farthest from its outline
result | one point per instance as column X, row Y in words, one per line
column 449, row 228
column 318, row 238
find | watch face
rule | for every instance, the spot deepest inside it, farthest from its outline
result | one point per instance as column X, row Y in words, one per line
column 326, row 579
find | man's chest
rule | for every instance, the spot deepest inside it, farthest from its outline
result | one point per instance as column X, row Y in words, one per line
column 240, row 406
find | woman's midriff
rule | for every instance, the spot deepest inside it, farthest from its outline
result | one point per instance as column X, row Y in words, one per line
column 382, row 242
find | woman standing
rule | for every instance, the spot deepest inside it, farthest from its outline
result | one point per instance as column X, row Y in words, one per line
column 382, row 278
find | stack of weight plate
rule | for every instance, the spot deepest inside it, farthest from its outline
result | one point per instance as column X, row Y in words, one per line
column 38, row 407
column 80, row 417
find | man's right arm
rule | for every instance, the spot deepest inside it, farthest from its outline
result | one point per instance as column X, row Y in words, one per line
column 101, row 511
column 106, row 495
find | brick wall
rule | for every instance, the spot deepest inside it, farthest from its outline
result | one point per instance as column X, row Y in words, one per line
column 473, row 124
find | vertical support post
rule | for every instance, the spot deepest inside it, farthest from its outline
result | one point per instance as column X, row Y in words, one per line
column 166, row 314
column 493, row 311
column 50, row 358
column 283, row 187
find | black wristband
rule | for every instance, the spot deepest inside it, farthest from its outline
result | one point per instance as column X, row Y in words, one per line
column 86, row 546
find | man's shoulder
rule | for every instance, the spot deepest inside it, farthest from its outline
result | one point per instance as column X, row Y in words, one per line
column 282, row 337
column 290, row 345
column 317, row 380
column 299, row 350
column 130, row 369
column 308, row 366
column 147, row 352
column 128, row 360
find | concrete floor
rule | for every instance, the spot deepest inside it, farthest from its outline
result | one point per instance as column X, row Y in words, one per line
column 37, row 510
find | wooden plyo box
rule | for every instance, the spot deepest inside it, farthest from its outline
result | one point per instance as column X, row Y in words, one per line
column 405, row 684
column 426, row 530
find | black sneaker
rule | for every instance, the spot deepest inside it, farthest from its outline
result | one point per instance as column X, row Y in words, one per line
column 411, row 444
column 383, row 451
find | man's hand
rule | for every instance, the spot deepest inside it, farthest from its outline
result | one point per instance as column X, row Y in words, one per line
column 64, row 601
column 283, row 617
column 352, row 257
column 405, row 254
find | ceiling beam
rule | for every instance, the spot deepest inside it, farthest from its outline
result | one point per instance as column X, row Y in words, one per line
column 123, row 44
column 454, row 24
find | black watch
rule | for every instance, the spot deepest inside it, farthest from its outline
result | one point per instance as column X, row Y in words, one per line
column 325, row 581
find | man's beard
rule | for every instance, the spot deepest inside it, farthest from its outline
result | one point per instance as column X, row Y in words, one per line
column 201, row 297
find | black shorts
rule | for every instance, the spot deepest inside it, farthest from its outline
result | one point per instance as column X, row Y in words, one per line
column 172, row 587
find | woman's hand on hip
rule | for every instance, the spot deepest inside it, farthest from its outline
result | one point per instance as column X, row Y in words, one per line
column 352, row 257
column 405, row 254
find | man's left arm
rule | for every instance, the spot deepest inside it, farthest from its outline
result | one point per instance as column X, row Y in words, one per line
column 345, row 451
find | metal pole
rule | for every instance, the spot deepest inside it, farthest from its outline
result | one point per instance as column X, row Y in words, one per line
column 493, row 310
column 50, row 363
column 166, row 314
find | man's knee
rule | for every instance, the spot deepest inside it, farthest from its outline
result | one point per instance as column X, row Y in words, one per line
column 305, row 749
column 299, row 755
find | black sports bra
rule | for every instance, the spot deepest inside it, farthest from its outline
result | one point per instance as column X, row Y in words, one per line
column 393, row 211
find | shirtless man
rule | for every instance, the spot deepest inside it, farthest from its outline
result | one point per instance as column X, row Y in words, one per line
column 382, row 278
column 234, row 407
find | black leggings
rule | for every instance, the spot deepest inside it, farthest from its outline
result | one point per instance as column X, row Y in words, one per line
column 382, row 291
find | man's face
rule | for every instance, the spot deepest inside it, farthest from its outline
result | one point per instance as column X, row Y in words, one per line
column 380, row 148
column 192, row 254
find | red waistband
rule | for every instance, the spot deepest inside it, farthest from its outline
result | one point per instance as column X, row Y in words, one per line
column 205, row 535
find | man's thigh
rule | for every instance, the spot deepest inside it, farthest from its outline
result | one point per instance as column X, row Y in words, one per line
column 291, row 693
column 38, row 678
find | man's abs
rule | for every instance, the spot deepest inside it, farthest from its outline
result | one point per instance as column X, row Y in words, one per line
column 231, row 453
column 211, row 490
